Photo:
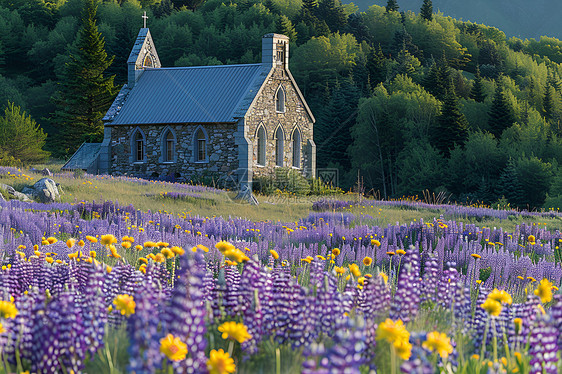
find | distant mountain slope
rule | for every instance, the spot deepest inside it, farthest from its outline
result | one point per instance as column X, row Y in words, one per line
column 521, row 18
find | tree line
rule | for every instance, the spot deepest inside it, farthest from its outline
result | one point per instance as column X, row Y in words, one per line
column 410, row 101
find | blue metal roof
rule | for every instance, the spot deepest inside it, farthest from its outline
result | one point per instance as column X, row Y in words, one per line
column 84, row 157
column 199, row 94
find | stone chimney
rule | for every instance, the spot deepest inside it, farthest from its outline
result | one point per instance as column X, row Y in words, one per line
column 275, row 50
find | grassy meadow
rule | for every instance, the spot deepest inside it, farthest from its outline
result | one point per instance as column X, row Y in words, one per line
column 127, row 275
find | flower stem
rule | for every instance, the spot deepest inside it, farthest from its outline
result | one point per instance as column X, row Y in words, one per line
column 483, row 350
column 392, row 359
column 277, row 361
column 230, row 347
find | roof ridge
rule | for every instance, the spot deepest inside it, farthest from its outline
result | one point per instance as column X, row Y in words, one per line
column 202, row 67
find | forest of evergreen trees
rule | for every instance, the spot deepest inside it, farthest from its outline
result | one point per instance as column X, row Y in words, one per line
column 409, row 101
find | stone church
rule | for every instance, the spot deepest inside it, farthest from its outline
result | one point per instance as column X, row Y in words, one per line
column 230, row 121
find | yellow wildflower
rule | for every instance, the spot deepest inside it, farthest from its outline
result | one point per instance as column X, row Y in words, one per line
column 234, row 331
column 125, row 304
column 220, row 362
column 173, row 348
column 438, row 342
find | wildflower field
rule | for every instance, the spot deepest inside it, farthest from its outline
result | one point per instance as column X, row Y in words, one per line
column 108, row 287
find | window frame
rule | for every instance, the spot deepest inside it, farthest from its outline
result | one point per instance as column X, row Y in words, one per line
column 137, row 144
column 197, row 142
column 261, row 143
column 280, row 100
column 279, row 146
column 297, row 145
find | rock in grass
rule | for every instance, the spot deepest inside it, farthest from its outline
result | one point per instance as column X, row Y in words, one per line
column 45, row 190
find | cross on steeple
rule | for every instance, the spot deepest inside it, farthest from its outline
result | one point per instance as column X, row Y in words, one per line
column 144, row 19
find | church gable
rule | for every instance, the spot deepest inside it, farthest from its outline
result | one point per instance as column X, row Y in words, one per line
column 142, row 56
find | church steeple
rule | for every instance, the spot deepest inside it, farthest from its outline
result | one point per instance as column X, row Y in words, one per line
column 143, row 55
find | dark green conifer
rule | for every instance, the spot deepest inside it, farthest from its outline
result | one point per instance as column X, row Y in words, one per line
column 501, row 115
column 285, row 26
column 477, row 91
column 376, row 66
column 452, row 127
column 391, row 6
column 86, row 92
column 426, row 11
column 548, row 103
column 332, row 12
column 509, row 185
column 438, row 78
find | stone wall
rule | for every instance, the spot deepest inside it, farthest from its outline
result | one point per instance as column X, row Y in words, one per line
column 221, row 160
column 264, row 112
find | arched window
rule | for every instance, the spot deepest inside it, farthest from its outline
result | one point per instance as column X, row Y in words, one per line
column 279, row 146
column 138, row 145
column 200, row 146
column 280, row 100
column 296, row 148
column 169, row 147
column 147, row 61
column 261, row 145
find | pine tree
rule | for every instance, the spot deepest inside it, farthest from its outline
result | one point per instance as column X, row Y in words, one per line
column 285, row 26
column 334, row 135
column 477, row 91
column 501, row 115
column 332, row 12
column 509, row 185
column 548, row 103
column 86, row 93
column 15, row 124
column 376, row 66
column 452, row 127
column 426, row 11
column 436, row 82
column 391, row 6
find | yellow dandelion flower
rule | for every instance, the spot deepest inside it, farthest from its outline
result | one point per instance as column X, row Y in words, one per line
column 234, row 331
column 125, row 304
column 8, row 309
column 501, row 296
column 126, row 245
column 108, row 239
column 52, row 240
column 91, row 239
column 138, row 247
column 392, row 331
column 476, row 256
column 400, row 252
column 70, row 242
column 355, row 270
column 544, row 291
column 336, row 251
column 403, row 349
column 173, row 348
column 375, row 242
column 220, row 362
column 492, row 307
column 177, row 250
column 167, row 252
column 274, row 254
column 367, row 261
column 438, row 342
column 113, row 251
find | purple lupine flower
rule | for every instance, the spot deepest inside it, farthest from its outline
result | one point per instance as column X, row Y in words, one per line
column 349, row 351
column 376, row 298
column 142, row 329
column 185, row 314
column 405, row 304
column 94, row 308
column 556, row 315
column 231, row 302
column 544, row 347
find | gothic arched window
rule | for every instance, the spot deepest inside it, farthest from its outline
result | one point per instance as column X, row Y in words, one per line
column 200, row 145
column 138, row 145
column 279, row 146
column 280, row 100
column 296, row 148
column 261, row 137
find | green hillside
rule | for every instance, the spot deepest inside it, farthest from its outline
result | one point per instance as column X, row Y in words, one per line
column 403, row 103
column 524, row 19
